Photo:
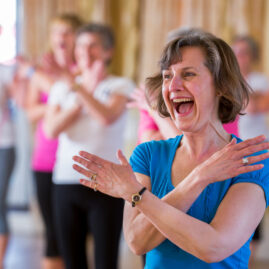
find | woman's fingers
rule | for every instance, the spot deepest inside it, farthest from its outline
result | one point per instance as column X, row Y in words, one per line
column 249, row 142
column 93, row 158
column 255, row 159
column 95, row 185
column 249, row 168
column 254, row 148
column 122, row 158
column 233, row 142
column 88, row 164
column 87, row 183
column 83, row 171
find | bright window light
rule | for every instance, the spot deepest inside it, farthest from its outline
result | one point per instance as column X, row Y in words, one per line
column 7, row 30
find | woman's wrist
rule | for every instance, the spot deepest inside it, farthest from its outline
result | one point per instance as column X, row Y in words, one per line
column 199, row 178
column 127, row 196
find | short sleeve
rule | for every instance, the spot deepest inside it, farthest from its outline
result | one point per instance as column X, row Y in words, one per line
column 259, row 177
column 140, row 159
column 57, row 91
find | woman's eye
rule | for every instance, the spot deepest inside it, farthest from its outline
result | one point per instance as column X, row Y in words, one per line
column 166, row 76
column 188, row 74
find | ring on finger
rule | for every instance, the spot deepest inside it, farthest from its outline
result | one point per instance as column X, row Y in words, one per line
column 93, row 177
column 95, row 186
column 245, row 161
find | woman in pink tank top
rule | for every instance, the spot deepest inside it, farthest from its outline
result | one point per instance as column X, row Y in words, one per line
column 44, row 152
column 58, row 62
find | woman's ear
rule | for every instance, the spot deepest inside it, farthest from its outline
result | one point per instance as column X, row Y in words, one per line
column 218, row 94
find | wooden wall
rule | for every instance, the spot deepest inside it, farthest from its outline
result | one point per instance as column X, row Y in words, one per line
column 141, row 26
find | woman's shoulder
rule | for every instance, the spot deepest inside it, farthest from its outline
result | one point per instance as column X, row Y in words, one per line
column 152, row 154
column 157, row 146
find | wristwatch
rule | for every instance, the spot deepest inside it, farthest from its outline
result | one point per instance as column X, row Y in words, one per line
column 136, row 197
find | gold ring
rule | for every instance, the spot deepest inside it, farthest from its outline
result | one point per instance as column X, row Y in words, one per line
column 93, row 177
column 95, row 186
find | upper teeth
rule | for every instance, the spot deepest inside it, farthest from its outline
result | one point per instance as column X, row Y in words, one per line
column 181, row 100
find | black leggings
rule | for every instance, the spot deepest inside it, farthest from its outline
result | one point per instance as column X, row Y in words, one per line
column 7, row 160
column 79, row 210
column 44, row 189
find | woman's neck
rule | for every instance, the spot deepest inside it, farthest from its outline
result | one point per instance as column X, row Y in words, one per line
column 205, row 142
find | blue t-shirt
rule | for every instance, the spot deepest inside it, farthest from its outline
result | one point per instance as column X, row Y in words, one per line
column 155, row 159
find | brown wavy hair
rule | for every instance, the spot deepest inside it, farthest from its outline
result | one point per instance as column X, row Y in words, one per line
column 231, row 87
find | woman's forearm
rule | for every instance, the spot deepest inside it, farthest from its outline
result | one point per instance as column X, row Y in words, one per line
column 104, row 113
column 140, row 233
column 56, row 120
column 192, row 235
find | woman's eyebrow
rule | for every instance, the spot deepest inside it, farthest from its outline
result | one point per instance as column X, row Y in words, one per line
column 189, row 67
column 182, row 69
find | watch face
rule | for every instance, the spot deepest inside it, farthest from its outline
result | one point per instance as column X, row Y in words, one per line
column 136, row 198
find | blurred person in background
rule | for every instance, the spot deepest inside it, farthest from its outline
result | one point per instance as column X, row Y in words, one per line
column 254, row 122
column 7, row 153
column 87, row 111
column 58, row 62
column 13, row 88
column 151, row 125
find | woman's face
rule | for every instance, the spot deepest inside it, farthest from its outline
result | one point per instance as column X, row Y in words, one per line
column 243, row 55
column 62, row 37
column 88, row 49
column 189, row 92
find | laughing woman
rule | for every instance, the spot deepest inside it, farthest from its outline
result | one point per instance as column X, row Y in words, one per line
column 192, row 201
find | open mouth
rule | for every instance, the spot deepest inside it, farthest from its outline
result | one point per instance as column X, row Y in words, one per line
column 183, row 105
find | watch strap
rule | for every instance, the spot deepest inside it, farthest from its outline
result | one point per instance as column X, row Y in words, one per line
column 142, row 190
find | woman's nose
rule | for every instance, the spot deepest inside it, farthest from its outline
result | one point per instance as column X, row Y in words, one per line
column 176, row 83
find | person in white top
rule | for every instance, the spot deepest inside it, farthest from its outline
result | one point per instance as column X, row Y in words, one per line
column 254, row 122
column 87, row 111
